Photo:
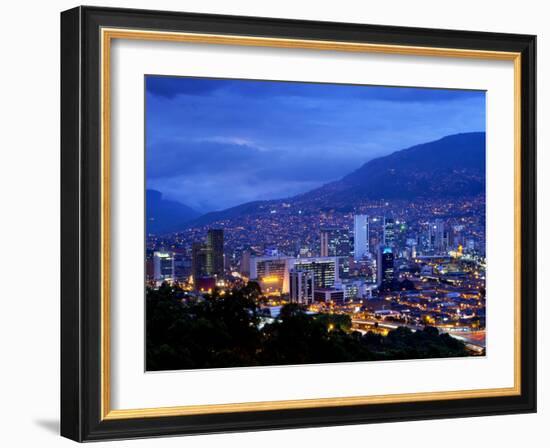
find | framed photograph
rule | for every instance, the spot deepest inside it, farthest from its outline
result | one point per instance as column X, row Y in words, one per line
column 274, row 223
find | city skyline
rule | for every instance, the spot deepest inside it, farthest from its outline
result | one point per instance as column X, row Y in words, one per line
column 373, row 256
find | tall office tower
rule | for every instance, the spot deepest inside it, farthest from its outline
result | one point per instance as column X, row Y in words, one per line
column 182, row 265
column 149, row 266
column 438, row 231
column 457, row 235
column 335, row 242
column 199, row 253
column 324, row 270
column 449, row 238
column 360, row 236
column 324, row 242
column 386, row 273
column 163, row 267
column 214, row 256
column 389, row 232
column 245, row 263
column 446, row 240
column 301, row 286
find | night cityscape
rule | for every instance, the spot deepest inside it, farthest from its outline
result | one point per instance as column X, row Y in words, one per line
column 384, row 259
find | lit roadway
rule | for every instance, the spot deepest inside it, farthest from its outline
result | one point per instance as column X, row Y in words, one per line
column 357, row 323
column 474, row 339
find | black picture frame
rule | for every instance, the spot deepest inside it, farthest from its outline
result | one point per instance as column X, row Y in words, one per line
column 81, row 224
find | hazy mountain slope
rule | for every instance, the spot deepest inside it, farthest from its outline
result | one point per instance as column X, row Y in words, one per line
column 164, row 215
column 450, row 167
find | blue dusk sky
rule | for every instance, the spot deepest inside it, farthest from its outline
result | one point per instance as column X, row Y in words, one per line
column 216, row 143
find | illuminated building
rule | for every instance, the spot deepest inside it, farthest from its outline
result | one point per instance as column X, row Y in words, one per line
column 271, row 273
column 360, row 236
column 389, row 232
column 329, row 295
column 385, row 267
column 438, row 235
column 271, row 251
column 163, row 267
column 355, row 289
column 324, row 243
column 365, row 269
column 245, row 263
column 198, row 261
column 149, row 267
column 305, row 252
column 411, row 242
column 182, row 265
column 324, row 269
column 214, row 252
column 335, row 243
column 458, row 235
column 301, row 286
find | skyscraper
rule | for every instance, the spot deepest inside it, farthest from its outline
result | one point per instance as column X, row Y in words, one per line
column 245, row 263
column 214, row 255
column 389, row 232
column 301, row 286
column 438, row 236
column 163, row 267
column 386, row 273
column 335, row 242
column 324, row 270
column 182, row 264
column 360, row 236
column 198, row 261
column 324, row 242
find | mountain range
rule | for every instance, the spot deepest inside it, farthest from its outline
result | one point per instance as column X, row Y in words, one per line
column 164, row 215
column 452, row 166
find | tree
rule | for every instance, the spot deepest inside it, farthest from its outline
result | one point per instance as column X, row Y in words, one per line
column 228, row 330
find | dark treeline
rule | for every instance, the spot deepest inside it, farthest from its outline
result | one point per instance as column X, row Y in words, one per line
column 225, row 331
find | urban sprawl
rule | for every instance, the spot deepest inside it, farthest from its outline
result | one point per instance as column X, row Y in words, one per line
column 386, row 264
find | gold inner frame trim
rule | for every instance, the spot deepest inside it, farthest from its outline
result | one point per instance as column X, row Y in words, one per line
column 107, row 35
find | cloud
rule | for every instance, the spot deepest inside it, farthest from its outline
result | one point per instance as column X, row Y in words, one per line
column 217, row 159
column 239, row 141
column 231, row 140
column 171, row 86
column 203, row 194
column 177, row 157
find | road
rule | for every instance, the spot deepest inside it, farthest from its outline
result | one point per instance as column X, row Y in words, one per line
column 474, row 339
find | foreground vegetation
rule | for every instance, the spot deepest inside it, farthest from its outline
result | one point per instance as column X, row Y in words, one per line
column 227, row 331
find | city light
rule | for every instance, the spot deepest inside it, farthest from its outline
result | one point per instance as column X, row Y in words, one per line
column 391, row 245
column 270, row 279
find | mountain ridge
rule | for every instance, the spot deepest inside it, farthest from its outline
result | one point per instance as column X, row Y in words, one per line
column 451, row 166
column 164, row 215
column 419, row 171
